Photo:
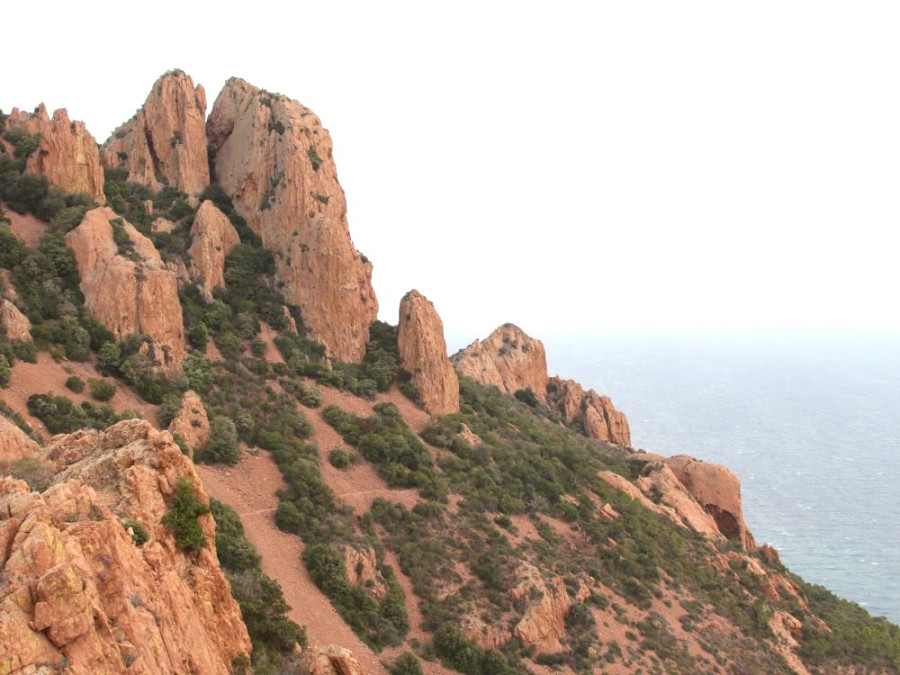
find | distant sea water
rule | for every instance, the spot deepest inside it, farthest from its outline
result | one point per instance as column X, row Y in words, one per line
column 810, row 425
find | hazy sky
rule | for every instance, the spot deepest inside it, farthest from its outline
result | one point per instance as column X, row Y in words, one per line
column 586, row 167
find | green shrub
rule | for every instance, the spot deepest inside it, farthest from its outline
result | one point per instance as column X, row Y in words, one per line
column 5, row 371
column 75, row 383
column 311, row 398
column 24, row 350
column 406, row 664
column 101, row 390
column 182, row 517
column 340, row 458
column 139, row 533
column 222, row 446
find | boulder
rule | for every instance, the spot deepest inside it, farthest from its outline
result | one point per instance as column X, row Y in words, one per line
column 274, row 159
column 164, row 144
column 67, row 154
column 213, row 238
column 14, row 443
column 128, row 287
column 423, row 353
column 15, row 324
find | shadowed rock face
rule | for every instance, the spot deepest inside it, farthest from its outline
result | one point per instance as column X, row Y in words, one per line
column 164, row 144
column 76, row 589
column 273, row 157
column 67, row 155
column 423, row 352
column 133, row 293
column 507, row 359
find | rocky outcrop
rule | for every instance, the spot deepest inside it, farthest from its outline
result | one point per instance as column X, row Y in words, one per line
column 361, row 568
column 191, row 424
column 127, row 286
column 718, row 490
column 164, row 144
column 213, row 238
column 423, row 353
column 67, row 154
column 14, row 443
column 78, row 591
column 787, row 630
column 274, row 159
column 544, row 623
column 12, row 322
column 507, row 359
column 596, row 413
column 329, row 660
column 661, row 485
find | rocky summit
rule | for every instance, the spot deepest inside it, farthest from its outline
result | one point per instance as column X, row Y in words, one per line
column 215, row 459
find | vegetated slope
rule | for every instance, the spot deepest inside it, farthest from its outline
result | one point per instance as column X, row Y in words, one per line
column 500, row 537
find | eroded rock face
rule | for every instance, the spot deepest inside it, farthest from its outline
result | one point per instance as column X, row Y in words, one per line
column 507, row 359
column 164, row 144
column 14, row 443
column 213, row 238
column 544, row 623
column 423, row 352
column 660, row 483
column 718, row 490
column 131, row 292
column 329, row 660
column 191, row 423
column 76, row 589
column 15, row 324
column 274, row 159
column 67, row 155
column 596, row 413
column 361, row 567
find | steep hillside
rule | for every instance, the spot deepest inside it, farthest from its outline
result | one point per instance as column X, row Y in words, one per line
column 472, row 515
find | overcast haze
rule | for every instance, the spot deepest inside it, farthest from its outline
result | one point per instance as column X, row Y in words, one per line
column 571, row 167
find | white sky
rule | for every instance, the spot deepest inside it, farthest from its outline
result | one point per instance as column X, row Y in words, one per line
column 586, row 167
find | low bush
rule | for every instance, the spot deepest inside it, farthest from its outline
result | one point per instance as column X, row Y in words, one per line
column 75, row 383
column 101, row 390
column 182, row 517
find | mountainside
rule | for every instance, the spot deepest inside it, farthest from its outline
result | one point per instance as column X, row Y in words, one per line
column 361, row 502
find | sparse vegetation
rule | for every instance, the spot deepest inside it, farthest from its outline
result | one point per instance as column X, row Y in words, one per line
column 182, row 517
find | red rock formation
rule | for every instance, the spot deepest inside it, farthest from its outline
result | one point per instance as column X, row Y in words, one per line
column 15, row 324
column 329, row 660
column 274, row 159
column 423, row 352
column 191, row 424
column 544, row 623
column 164, row 144
column 596, row 413
column 128, row 293
column 718, row 490
column 77, row 592
column 507, row 359
column 67, row 155
column 14, row 443
column 214, row 237
column 361, row 568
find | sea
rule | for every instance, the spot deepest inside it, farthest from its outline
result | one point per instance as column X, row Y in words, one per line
column 810, row 423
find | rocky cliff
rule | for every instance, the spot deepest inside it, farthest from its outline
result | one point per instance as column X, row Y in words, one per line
column 423, row 352
column 507, row 359
column 67, row 154
column 274, row 159
column 81, row 590
column 126, row 285
column 164, row 144
column 14, row 324
column 213, row 238
column 596, row 413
